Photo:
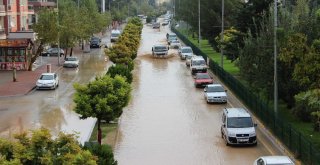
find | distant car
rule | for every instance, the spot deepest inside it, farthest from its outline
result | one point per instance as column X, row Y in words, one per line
column 175, row 44
column 160, row 50
column 215, row 93
column 71, row 62
column 202, row 79
column 53, row 52
column 185, row 51
column 164, row 23
column 115, row 35
column 95, row 42
column 188, row 60
column 48, row 81
column 273, row 160
column 156, row 25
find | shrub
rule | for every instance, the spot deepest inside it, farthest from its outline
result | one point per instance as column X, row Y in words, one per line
column 122, row 70
column 103, row 152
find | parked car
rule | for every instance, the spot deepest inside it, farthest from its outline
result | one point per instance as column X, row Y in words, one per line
column 160, row 50
column 198, row 64
column 175, row 44
column 53, row 52
column 48, row 81
column 202, row 79
column 71, row 62
column 238, row 127
column 273, row 160
column 185, row 51
column 215, row 93
column 156, row 25
column 95, row 42
column 114, row 35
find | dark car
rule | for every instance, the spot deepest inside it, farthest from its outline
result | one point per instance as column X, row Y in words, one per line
column 95, row 42
column 53, row 52
column 156, row 25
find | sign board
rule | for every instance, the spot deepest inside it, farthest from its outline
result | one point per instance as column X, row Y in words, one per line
column 14, row 43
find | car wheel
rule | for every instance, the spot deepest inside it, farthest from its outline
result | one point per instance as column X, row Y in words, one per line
column 255, row 144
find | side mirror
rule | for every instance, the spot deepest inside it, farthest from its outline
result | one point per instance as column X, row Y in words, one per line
column 168, row 48
column 205, row 90
column 255, row 124
column 226, row 90
column 224, row 125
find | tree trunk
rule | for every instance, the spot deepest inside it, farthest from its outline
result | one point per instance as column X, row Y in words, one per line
column 71, row 51
column 34, row 58
column 99, row 131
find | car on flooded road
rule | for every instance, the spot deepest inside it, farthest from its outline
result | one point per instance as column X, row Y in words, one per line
column 71, row 62
column 160, row 50
column 202, row 79
column 185, row 51
column 48, row 81
column 215, row 93
column 273, row 160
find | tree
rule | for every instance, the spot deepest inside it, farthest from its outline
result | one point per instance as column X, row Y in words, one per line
column 121, row 70
column 47, row 32
column 42, row 148
column 103, row 152
column 103, row 99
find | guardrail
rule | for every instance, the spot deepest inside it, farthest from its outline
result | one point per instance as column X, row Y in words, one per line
column 299, row 145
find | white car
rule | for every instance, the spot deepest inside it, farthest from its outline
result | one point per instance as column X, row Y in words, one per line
column 185, row 51
column 188, row 60
column 175, row 44
column 72, row 62
column 215, row 93
column 273, row 160
column 48, row 81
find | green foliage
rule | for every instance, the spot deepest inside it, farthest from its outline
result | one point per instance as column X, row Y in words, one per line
column 41, row 148
column 230, row 44
column 306, row 103
column 102, row 98
column 103, row 152
column 121, row 70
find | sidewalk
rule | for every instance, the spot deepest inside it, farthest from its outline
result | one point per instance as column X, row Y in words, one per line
column 26, row 80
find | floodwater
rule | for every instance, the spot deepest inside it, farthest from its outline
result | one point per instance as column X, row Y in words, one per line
column 168, row 122
column 53, row 109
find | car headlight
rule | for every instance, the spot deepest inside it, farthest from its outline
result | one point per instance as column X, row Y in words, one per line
column 231, row 134
column 252, row 134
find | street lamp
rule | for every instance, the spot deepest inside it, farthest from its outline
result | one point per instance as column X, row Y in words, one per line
column 222, row 31
column 199, row 35
column 58, row 34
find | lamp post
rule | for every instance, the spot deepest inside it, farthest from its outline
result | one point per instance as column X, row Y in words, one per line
column 222, row 31
column 275, row 58
column 199, row 35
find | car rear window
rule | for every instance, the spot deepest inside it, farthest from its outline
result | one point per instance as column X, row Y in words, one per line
column 46, row 77
column 186, row 50
column 198, row 62
column 71, row 59
column 203, row 76
column 215, row 89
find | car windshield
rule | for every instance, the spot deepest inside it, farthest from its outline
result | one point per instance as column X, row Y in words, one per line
column 46, row 77
column 160, row 48
column 71, row 59
column 198, row 62
column 186, row 50
column 115, row 34
column 95, row 39
column 215, row 89
column 239, row 122
column 175, row 41
column 172, row 35
column 203, row 76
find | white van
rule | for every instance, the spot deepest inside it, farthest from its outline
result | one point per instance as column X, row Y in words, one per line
column 238, row 127
column 114, row 35
column 198, row 64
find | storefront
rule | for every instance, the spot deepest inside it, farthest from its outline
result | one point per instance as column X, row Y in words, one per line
column 13, row 52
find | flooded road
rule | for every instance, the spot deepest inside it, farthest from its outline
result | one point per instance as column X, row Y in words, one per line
column 168, row 122
column 52, row 109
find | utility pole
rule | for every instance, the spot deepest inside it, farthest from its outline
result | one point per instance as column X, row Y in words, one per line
column 103, row 6
column 58, row 33
column 199, row 35
column 275, row 57
column 222, row 31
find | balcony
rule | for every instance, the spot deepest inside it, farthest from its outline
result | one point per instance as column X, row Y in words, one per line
column 2, row 10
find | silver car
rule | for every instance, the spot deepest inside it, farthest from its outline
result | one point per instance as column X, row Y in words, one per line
column 185, row 51
column 48, row 81
column 215, row 93
column 71, row 62
column 273, row 160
